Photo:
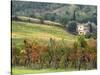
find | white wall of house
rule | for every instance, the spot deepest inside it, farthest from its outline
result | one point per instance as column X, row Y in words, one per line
column 82, row 29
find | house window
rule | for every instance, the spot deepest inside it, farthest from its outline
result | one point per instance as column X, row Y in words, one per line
column 81, row 33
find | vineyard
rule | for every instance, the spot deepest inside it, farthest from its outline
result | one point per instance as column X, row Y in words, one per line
column 40, row 47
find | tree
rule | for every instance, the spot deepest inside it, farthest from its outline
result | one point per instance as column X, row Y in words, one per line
column 28, row 51
column 32, row 15
column 41, row 19
column 64, row 20
column 82, row 42
column 72, row 25
column 15, row 55
column 73, row 9
column 90, row 26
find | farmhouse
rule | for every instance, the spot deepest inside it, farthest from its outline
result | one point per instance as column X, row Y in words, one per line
column 83, row 29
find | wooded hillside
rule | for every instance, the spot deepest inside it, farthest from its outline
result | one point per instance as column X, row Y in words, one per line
column 55, row 12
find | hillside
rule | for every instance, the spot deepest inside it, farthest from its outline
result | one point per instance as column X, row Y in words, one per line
column 44, row 37
column 54, row 11
column 23, row 30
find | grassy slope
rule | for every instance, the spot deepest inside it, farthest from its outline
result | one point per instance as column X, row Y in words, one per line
column 23, row 70
column 22, row 30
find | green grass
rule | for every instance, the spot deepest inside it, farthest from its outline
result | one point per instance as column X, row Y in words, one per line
column 17, row 70
column 23, row 70
column 23, row 30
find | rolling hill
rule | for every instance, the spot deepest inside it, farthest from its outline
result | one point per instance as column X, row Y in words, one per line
column 40, row 32
column 54, row 11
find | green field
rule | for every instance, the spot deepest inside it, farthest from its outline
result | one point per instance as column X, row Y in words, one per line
column 20, row 70
column 23, row 70
column 40, row 32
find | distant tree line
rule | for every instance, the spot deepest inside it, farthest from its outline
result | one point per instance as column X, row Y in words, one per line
column 55, row 12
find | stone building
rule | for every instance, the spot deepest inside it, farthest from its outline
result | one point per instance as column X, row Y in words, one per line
column 83, row 29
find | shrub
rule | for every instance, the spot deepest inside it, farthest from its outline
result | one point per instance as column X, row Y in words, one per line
column 91, row 35
column 55, row 54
